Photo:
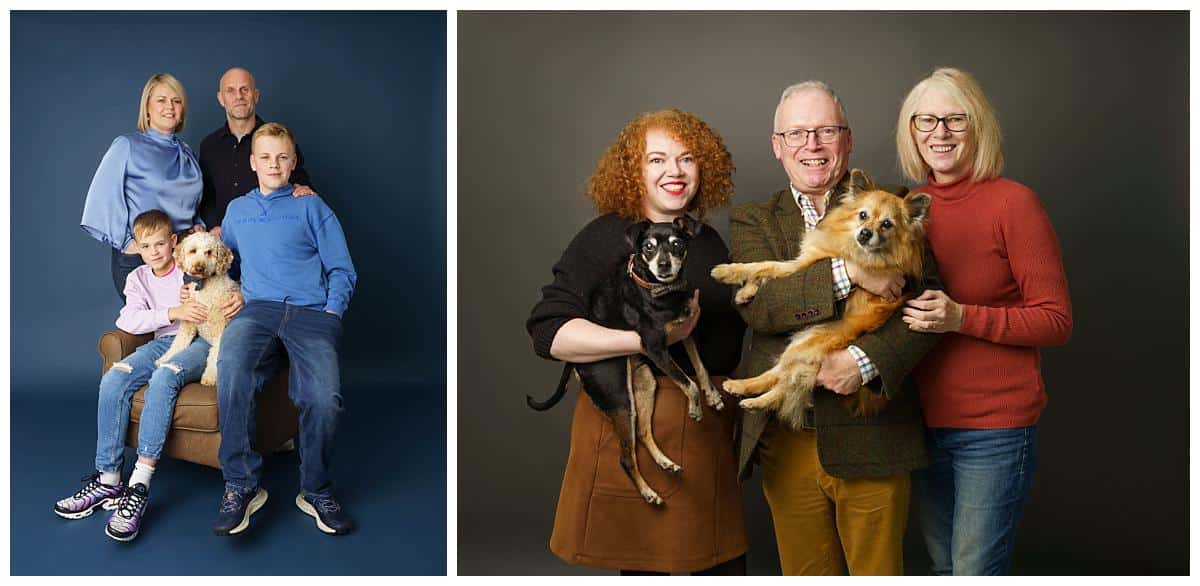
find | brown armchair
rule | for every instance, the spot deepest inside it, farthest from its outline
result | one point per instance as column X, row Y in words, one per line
column 195, row 432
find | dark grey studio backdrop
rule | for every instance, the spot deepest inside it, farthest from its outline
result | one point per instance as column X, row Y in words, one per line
column 1094, row 111
column 364, row 93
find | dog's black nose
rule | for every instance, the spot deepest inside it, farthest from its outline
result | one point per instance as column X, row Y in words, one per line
column 864, row 236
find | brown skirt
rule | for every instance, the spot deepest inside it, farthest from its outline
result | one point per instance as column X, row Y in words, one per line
column 601, row 519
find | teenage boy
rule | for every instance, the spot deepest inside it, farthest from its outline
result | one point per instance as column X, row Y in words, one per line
column 151, row 305
column 297, row 279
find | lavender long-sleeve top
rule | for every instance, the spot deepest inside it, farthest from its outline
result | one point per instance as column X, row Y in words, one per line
column 142, row 171
column 147, row 299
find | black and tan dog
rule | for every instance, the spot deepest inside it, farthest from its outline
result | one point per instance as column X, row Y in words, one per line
column 876, row 230
column 649, row 295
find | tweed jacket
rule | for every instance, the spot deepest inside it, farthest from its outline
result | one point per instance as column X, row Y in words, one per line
column 888, row 443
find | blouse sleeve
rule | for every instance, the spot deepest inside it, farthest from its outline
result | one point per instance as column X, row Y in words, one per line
column 583, row 267
column 105, row 212
column 1044, row 316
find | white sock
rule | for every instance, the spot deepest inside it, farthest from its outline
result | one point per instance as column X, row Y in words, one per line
column 141, row 474
column 110, row 478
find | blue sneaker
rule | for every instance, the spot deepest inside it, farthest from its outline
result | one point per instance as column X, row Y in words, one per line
column 331, row 517
column 126, row 521
column 236, row 508
column 94, row 495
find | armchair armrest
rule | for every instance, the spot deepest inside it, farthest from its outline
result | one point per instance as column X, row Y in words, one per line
column 117, row 344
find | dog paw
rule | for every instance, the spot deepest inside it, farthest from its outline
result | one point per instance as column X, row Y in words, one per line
column 160, row 361
column 735, row 387
column 715, row 402
column 745, row 294
column 669, row 466
column 695, row 411
column 725, row 274
column 652, row 497
column 209, row 378
column 754, row 404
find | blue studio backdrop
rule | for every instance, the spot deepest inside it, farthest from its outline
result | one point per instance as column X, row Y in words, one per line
column 365, row 95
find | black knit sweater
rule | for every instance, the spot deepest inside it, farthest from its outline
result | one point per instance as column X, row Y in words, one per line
column 596, row 254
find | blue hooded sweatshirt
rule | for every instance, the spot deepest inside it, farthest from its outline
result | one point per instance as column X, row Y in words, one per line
column 292, row 249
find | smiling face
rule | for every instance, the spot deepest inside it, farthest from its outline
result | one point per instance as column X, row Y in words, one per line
column 155, row 249
column 671, row 177
column 164, row 108
column 948, row 154
column 237, row 94
column 813, row 168
column 272, row 158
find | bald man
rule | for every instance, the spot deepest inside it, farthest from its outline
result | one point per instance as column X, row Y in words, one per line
column 225, row 154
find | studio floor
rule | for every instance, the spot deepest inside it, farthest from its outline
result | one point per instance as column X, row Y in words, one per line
column 390, row 474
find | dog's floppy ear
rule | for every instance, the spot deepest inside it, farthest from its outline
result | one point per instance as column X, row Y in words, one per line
column 178, row 252
column 634, row 233
column 859, row 181
column 917, row 206
column 224, row 258
column 690, row 226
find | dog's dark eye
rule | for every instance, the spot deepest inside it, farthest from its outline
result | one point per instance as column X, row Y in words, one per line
column 207, row 253
column 648, row 247
column 885, row 224
column 862, row 215
column 677, row 246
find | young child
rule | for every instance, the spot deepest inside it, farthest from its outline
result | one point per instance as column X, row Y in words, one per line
column 151, row 305
column 297, row 279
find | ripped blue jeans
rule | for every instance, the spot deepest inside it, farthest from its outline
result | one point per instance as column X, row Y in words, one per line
column 127, row 376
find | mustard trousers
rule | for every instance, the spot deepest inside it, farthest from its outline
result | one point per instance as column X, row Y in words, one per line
column 825, row 525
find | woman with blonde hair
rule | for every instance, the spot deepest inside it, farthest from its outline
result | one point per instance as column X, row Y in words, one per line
column 663, row 165
column 1006, row 295
column 145, row 170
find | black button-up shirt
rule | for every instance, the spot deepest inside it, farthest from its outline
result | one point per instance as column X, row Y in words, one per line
column 225, row 164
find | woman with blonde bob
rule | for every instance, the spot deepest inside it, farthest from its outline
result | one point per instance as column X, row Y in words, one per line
column 1006, row 295
column 663, row 165
column 144, row 170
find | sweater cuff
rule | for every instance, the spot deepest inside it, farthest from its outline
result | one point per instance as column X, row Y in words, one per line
column 543, row 336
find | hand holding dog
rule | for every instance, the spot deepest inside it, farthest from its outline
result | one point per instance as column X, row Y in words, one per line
column 839, row 373
column 302, row 190
column 231, row 308
column 933, row 311
column 685, row 327
column 885, row 284
column 192, row 311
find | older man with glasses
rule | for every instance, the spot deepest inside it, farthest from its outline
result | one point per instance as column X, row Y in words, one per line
column 838, row 487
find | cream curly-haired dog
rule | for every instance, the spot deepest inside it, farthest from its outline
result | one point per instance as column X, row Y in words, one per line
column 204, row 261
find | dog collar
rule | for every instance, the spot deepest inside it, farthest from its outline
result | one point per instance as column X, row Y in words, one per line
column 190, row 279
column 656, row 289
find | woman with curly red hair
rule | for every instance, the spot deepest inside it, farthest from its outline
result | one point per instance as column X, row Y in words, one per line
column 663, row 165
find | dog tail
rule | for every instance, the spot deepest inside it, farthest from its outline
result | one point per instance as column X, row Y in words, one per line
column 558, row 393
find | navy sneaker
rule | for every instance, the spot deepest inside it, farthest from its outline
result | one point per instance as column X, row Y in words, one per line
column 94, row 495
column 126, row 521
column 331, row 517
column 236, row 508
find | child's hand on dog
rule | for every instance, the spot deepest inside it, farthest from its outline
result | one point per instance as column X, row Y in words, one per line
column 885, row 284
column 192, row 311
column 933, row 311
column 685, row 327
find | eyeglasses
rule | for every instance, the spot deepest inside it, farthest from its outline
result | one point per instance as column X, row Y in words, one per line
column 798, row 137
column 953, row 122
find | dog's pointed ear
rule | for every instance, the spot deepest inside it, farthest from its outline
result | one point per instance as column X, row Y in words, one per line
column 859, row 181
column 634, row 233
column 917, row 206
column 690, row 226
column 839, row 196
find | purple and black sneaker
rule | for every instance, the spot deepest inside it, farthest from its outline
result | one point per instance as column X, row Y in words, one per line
column 125, row 522
column 94, row 495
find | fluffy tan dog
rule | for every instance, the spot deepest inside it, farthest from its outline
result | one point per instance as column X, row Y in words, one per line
column 205, row 259
column 875, row 229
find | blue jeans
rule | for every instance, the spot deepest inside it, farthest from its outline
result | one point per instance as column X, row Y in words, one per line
column 970, row 498
column 126, row 377
column 249, row 348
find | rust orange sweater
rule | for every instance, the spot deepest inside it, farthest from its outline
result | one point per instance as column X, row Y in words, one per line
column 998, row 257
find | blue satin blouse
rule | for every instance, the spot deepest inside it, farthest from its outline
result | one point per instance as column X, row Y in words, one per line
column 142, row 171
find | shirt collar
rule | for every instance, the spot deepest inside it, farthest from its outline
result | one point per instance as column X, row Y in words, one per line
column 258, row 121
